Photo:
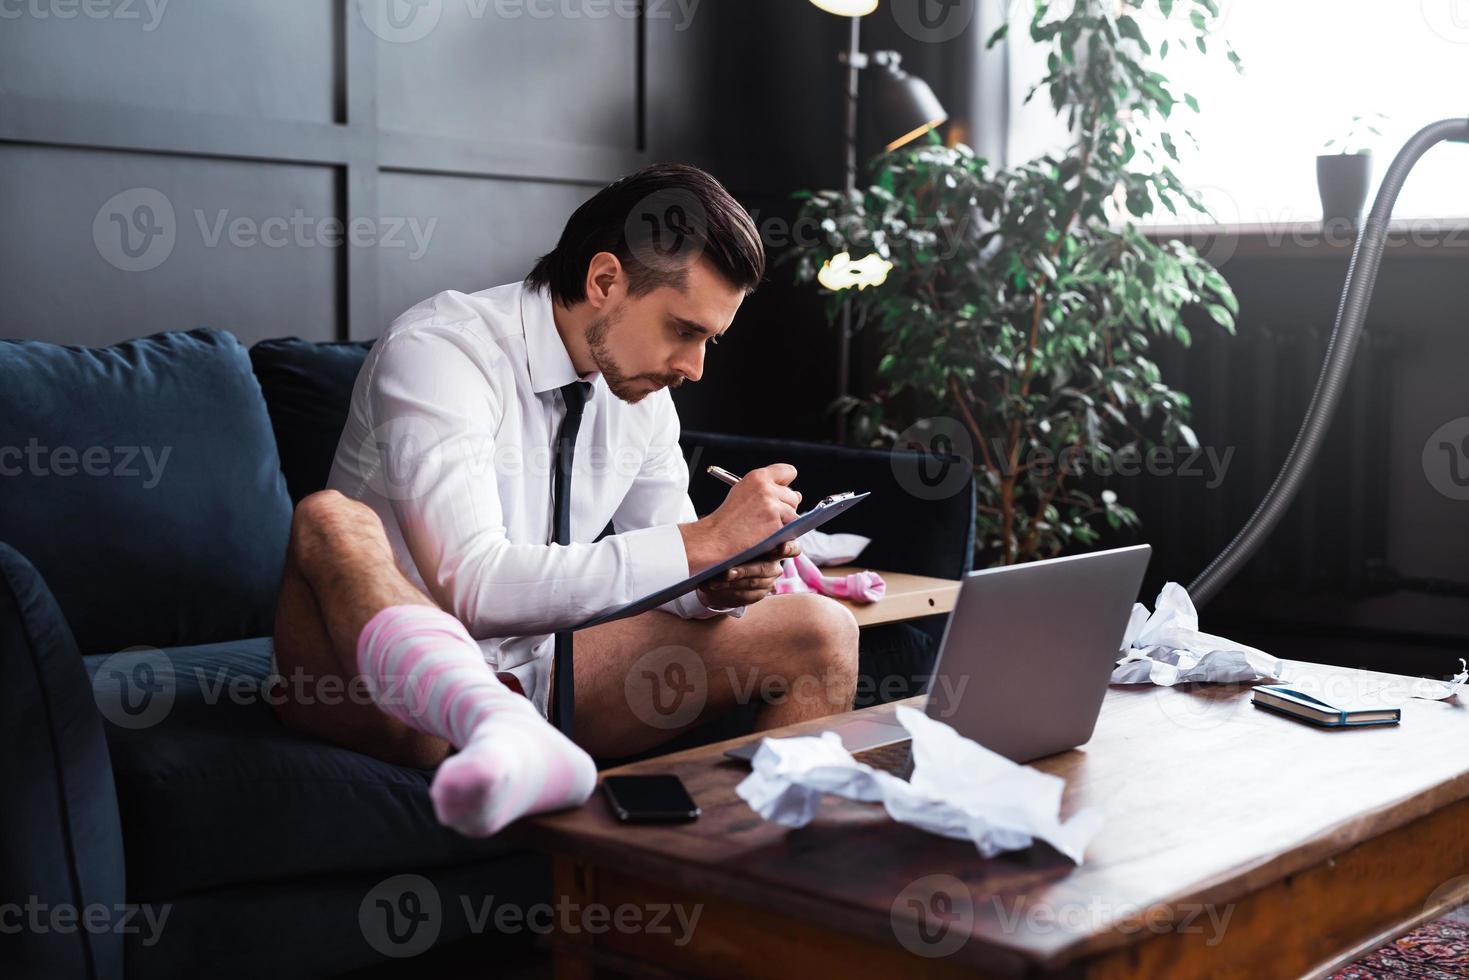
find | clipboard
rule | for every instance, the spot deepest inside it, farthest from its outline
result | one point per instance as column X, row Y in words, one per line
column 824, row 511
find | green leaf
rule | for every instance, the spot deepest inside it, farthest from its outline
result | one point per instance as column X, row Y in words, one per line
column 997, row 36
column 1128, row 28
column 1221, row 316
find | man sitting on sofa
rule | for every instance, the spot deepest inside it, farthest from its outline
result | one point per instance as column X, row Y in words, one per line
column 425, row 580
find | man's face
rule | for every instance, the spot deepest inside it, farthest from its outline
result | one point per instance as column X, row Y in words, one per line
column 658, row 340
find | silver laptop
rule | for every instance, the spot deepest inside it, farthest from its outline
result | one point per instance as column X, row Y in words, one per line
column 1025, row 658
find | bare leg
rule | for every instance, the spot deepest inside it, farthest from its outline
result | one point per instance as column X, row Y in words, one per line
column 796, row 654
column 339, row 573
column 642, row 680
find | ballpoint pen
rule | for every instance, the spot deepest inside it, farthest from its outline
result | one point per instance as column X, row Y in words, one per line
column 725, row 476
column 722, row 474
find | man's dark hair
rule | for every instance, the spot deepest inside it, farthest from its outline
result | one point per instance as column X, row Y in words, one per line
column 657, row 221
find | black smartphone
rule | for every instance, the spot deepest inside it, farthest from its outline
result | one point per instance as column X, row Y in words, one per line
column 650, row 799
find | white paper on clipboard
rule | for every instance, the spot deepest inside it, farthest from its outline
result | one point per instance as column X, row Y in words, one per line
column 815, row 517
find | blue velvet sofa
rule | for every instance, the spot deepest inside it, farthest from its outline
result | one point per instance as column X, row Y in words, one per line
column 155, row 819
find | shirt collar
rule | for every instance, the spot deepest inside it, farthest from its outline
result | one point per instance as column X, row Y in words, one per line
column 550, row 365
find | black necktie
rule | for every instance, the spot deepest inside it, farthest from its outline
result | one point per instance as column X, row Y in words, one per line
column 575, row 396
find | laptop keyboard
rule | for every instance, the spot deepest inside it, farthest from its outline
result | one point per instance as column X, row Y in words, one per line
column 896, row 758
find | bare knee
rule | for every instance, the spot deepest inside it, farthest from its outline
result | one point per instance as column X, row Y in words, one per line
column 328, row 524
column 823, row 638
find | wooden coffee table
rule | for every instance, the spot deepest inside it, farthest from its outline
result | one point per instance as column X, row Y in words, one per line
column 1236, row 843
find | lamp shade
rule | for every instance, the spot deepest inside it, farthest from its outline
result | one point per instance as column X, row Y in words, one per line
column 901, row 107
column 847, row 8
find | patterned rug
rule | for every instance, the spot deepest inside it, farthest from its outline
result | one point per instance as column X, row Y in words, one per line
column 1438, row 950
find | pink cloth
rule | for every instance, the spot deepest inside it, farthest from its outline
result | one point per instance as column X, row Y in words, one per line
column 800, row 574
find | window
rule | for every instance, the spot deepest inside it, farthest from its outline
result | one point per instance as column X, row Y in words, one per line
column 1310, row 66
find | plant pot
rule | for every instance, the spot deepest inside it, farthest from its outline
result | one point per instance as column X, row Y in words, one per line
column 1342, row 180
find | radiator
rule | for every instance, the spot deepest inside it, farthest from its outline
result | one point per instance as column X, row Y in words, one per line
column 1249, row 394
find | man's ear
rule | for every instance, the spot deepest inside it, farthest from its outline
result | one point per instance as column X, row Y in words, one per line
column 604, row 278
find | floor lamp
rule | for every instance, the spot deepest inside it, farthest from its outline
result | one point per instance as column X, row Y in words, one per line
column 901, row 108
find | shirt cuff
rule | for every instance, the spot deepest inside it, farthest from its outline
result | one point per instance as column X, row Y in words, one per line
column 692, row 607
column 656, row 559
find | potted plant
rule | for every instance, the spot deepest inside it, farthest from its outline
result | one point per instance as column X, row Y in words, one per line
column 1021, row 307
column 1342, row 177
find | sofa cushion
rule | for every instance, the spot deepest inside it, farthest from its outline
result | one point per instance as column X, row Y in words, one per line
column 60, row 839
column 308, row 390
column 142, row 481
column 214, row 791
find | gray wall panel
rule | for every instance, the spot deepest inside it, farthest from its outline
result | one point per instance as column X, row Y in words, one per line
column 569, row 80
column 274, row 59
column 68, row 276
column 484, row 233
column 493, row 124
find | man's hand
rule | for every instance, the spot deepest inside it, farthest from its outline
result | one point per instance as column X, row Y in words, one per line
column 756, row 507
column 747, row 584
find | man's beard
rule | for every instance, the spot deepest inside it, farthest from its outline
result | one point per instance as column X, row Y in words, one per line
column 626, row 387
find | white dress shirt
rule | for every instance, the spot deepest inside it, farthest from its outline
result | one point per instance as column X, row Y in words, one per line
column 451, row 438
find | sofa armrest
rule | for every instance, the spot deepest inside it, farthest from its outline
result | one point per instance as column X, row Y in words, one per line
column 918, row 524
column 60, row 835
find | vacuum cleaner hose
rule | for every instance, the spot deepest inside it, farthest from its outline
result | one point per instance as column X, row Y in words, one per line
column 1356, row 294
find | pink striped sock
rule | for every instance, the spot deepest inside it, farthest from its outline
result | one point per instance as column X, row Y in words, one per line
column 426, row 671
column 800, row 574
